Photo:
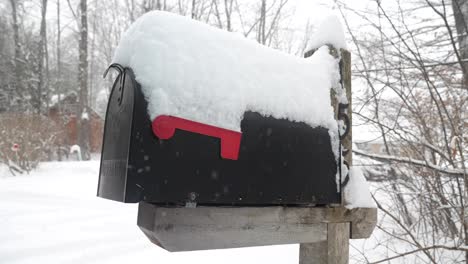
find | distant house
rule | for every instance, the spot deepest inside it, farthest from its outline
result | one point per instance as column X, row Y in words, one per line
column 400, row 149
column 65, row 112
column 378, row 147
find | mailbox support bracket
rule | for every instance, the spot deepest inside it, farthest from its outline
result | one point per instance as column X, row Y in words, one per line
column 323, row 232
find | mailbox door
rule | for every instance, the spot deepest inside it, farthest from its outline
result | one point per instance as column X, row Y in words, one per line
column 116, row 143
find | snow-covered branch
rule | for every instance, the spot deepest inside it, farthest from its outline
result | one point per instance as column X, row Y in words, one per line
column 415, row 162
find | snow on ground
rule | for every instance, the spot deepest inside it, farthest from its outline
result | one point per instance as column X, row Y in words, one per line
column 53, row 216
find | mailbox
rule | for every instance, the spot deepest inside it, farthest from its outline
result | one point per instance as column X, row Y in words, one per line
column 226, row 143
column 200, row 116
column 173, row 161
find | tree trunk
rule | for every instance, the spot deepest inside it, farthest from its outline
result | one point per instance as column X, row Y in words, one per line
column 16, row 62
column 83, row 137
column 262, row 24
column 193, row 9
column 228, row 10
column 58, row 82
column 42, row 47
column 460, row 11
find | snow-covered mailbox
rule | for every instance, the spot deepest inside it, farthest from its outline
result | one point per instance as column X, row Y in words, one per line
column 201, row 118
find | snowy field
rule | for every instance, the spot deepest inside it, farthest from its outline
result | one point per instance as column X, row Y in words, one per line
column 54, row 216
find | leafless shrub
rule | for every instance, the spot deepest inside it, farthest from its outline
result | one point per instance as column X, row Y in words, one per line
column 27, row 139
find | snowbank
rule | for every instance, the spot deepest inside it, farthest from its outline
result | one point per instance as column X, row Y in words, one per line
column 330, row 32
column 4, row 171
column 194, row 71
column 53, row 216
column 356, row 192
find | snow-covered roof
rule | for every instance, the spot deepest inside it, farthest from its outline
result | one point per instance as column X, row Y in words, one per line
column 194, row 71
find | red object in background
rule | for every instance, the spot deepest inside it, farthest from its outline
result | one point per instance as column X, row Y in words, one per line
column 164, row 127
column 15, row 147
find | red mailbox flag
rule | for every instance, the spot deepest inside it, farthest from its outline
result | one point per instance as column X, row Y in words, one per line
column 164, row 127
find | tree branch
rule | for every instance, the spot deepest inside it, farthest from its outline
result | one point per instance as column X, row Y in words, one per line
column 421, row 249
column 452, row 172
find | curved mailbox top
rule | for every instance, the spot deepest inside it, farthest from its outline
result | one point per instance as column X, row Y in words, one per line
column 193, row 71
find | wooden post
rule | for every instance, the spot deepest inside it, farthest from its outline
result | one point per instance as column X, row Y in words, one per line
column 334, row 250
column 342, row 110
column 345, row 69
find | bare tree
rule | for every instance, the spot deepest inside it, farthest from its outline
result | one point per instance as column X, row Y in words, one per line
column 261, row 35
column 83, row 138
column 412, row 70
column 41, row 58
column 17, row 59
column 460, row 11
column 58, row 84
column 228, row 10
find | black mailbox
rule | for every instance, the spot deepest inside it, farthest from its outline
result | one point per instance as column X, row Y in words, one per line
column 272, row 162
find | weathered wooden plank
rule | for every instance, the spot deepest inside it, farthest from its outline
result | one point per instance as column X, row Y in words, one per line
column 345, row 69
column 181, row 229
column 185, row 229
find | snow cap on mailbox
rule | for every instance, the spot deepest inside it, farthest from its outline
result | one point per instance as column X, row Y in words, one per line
column 198, row 114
